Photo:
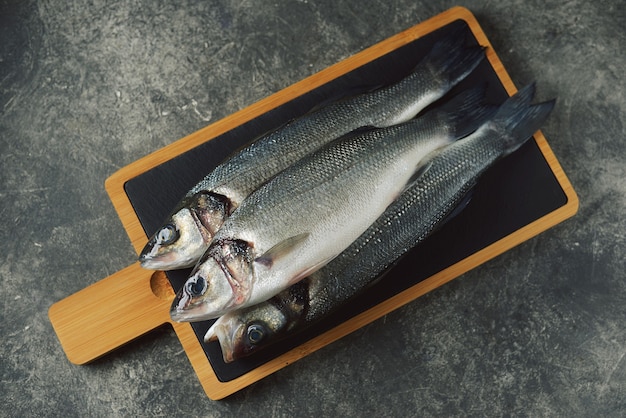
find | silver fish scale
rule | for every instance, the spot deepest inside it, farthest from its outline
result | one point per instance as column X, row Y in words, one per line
column 318, row 183
column 406, row 222
column 448, row 176
column 448, row 63
column 269, row 155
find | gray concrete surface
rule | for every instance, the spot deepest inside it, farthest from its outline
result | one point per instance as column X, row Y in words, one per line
column 87, row 87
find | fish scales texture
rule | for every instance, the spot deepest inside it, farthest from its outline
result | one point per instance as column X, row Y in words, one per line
column 448, row 62
column 345, row 169
column 314, row 197
column 451, row 174
column 407, row 221
column 322, row 179
column 308, row 210
column 187, row 233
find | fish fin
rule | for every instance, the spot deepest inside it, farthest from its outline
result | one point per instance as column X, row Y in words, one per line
column 466, row 111
column 517, row 120
column 463, row 203
column 211, row 334
column 281, row 249
column 453, row 58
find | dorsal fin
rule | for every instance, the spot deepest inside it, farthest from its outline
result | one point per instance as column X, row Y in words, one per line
column 281, row 249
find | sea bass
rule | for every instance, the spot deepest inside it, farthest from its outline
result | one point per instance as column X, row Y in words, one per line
column 438, row 193
column 186, row 234
column 309, row 213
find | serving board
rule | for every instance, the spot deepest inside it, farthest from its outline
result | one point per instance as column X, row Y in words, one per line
column 521, row 196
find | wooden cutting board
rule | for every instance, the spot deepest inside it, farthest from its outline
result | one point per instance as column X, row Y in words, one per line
column 518, row 198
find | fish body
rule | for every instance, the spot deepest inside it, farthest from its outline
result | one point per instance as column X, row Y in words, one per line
column 309, row 213
column 186, row 235
column 451, row 174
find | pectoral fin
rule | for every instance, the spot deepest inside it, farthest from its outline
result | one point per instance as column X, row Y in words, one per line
column 281, row 249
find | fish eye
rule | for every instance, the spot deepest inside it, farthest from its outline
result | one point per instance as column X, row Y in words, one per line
column 167, row 235
column 256, row 333
column 196, row 286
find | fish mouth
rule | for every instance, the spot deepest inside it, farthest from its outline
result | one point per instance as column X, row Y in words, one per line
column 186, row 315
column 219, row 331
column 178, row 311
column 184, row 310
column 158, row 256
column 166, row 261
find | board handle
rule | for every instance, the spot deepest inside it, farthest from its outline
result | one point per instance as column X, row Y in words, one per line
column 111, row 312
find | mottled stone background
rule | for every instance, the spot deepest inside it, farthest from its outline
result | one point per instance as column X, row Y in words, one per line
column 87, row 87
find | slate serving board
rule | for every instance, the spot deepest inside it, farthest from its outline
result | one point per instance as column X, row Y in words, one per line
column 520, row 196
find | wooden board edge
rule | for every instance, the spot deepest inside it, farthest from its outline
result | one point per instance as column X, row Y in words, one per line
column 572, row 204
column 109, row 313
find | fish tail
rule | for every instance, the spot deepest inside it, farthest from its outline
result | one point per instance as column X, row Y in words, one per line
column 517, row 119
column 452, row 58
column 466, row 111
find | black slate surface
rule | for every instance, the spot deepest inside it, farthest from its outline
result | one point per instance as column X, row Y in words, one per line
column 88, row 87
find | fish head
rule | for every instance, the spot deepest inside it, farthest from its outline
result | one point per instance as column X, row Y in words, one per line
column 221, row 281
column 182, row 240
column 246, row 331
